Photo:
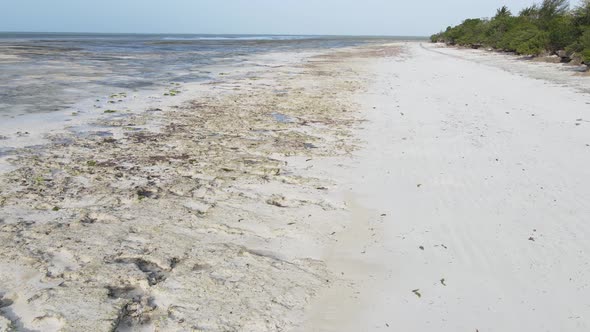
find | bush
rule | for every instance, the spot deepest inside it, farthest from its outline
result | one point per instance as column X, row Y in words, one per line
column 471, row 32
column 585, row 44
column 527, row 39
column 497, row 30
column 561, row 32
column 546, row 27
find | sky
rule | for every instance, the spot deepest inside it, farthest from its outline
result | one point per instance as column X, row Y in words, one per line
column 316, row 17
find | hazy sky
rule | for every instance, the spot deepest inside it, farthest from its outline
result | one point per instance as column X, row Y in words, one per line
column 343, row 17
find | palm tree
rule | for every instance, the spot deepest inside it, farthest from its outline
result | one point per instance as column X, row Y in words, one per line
column 504, row 12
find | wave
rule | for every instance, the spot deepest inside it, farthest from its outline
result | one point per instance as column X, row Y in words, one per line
column 261, row 37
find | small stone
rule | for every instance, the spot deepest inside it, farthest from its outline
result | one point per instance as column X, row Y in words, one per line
column 417, row 292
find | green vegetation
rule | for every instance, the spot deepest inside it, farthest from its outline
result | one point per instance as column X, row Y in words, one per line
column 172, row 93
column 550, row 27
column 39, row 180
column 119, row 95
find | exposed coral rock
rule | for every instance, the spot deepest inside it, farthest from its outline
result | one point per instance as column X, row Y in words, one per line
column 166, row 226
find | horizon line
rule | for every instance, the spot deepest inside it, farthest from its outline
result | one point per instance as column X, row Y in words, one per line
column 207, row 34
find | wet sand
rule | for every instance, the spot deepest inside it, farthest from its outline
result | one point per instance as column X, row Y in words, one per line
column 197, row 208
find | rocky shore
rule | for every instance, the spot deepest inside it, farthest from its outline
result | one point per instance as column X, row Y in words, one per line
column 198, row 216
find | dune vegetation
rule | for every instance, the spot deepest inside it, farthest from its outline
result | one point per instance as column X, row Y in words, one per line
column 549, row 28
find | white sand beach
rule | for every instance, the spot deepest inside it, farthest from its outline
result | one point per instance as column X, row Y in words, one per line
column 395, row 187
column 469, row 199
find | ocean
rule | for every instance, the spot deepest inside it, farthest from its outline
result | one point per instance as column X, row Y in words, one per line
column 44, row 72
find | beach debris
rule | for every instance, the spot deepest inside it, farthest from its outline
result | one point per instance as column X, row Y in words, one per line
column 91, row 163
column 118, row 95
column 110, row 111
column 442, row 281
column 419, row 185
column 417, row 292
column 421, row 247
column 532, row 239
column 147, row 193
column 277, row 200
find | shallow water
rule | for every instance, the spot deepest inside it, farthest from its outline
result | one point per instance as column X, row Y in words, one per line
column 49, row 72
column 282, row 118
column 5, row 151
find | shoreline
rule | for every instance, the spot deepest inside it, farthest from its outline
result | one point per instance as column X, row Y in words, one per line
column 207, row 215
column 564, row 74
column 33, row 130
column 352, row 190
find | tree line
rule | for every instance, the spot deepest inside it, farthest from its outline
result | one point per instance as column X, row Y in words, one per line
column 551, row 27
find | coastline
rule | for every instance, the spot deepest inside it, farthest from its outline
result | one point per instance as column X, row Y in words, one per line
column 574, row 76
column 87, row 116
column 203, row 214
column 361, row 189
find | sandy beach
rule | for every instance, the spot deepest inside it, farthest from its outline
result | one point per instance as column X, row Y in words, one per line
column 468, row 199
column 387, row 187
column 194, row 208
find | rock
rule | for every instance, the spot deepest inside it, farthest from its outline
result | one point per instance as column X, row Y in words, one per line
column 562, row 54
column 277, row 200
column 417, row 292
column 5, row 324
column 196, row 206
